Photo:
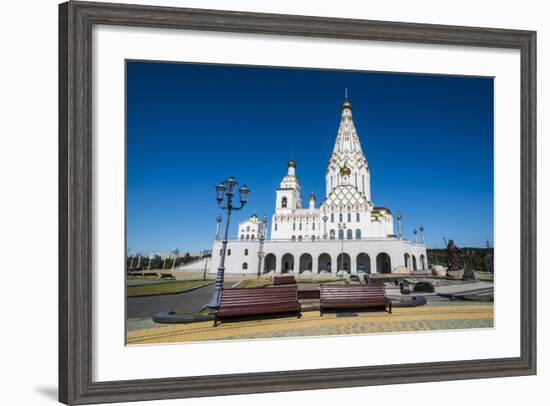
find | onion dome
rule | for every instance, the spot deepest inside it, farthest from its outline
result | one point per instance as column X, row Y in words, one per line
column 292, row 164
column 311, row 196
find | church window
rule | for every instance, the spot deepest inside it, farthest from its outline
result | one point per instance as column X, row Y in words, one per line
column 355, row 179
column 340, row 218
column 349, row 234
column 275, row 226
column 245, row 266
column 357, row 217
column 357, row 234
column 300, row 226
column 332, row 217
column 312, row 238
column 349, row 217
column 284, row 202
column 313, row 225
column 340, row 234
column 293, row 226
column 242, row 236
column 299, row 238
column 293, row 238
column 247, row 237
column 332, row 234
column 248, row 228
column 228, row 252
column 246, row 251
column 252, row 237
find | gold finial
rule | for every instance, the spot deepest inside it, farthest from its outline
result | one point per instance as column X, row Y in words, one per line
column 345, row 171
column 292, row 163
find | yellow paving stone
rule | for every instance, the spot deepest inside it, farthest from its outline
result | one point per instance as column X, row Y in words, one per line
column 371, row 321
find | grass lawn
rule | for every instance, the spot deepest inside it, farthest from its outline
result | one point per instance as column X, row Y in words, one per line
column 255, row 283
column 164, row 288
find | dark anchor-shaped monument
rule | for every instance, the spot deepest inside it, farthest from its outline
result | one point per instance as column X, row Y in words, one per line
column 454, row 254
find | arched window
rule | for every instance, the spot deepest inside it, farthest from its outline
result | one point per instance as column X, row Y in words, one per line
column 245, row 266
column 247, row 237
column 340, row 218
column 293, row 226
column 284, row 202
column 349, row 217
column 242, row 236
column 332, row 217
column 247, row 228
column 228, row 252
column 312, row 238
column 313, row 226
column 300, row 227
column 246, row 251
column 293, row 238
column 275, row 226
column 358, row 217
column 299, row 238
column 340, row 234
column 350, row 234
column 252, row 237
column 357, row 234
column 332, row 234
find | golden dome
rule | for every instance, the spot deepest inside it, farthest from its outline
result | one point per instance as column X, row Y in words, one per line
column 345, row 171
column 311, row 196
column 346, row 105
column 291, row 164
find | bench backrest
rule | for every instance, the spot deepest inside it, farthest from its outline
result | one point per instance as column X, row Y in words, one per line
column 342, row 292
column 284, row 280
column 257, row 296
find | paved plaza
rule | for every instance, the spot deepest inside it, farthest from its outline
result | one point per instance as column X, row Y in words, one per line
column 430, row 317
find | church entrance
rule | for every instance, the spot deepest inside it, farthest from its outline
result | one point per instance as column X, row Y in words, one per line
column 363, row 263
column 344, row 263
column 324, row 263
column 306, row 263
column 270, row 263
column 383, row 263
column 288, row 263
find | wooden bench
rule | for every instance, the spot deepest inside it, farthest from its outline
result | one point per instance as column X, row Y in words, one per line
column 353, row 297
column 284, row 280
column 258, row 301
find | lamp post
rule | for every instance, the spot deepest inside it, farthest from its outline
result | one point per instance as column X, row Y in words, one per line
column 225, row 192
column 218, row 222
column 342, row 227
column 399, row 226
column 263, row 230
column 325, row 218
column 176, row 253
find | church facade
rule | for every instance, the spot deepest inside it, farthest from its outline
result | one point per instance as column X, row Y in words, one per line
column 345, row 233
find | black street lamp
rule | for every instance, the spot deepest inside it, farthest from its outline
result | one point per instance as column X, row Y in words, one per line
column 225, row 191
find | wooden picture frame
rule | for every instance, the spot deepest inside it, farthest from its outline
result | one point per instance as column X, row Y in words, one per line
column 76, row 20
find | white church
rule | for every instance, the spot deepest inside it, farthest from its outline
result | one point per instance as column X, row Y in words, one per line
column 345, row 233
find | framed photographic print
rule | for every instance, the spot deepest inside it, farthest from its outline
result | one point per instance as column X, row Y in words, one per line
column 259, row 202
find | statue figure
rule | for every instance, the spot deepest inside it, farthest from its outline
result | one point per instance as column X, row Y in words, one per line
column 455, row 257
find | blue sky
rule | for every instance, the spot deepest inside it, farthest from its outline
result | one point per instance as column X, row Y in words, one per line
column 428, row 140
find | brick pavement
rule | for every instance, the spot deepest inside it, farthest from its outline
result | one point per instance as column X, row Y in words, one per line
column 479, row 315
